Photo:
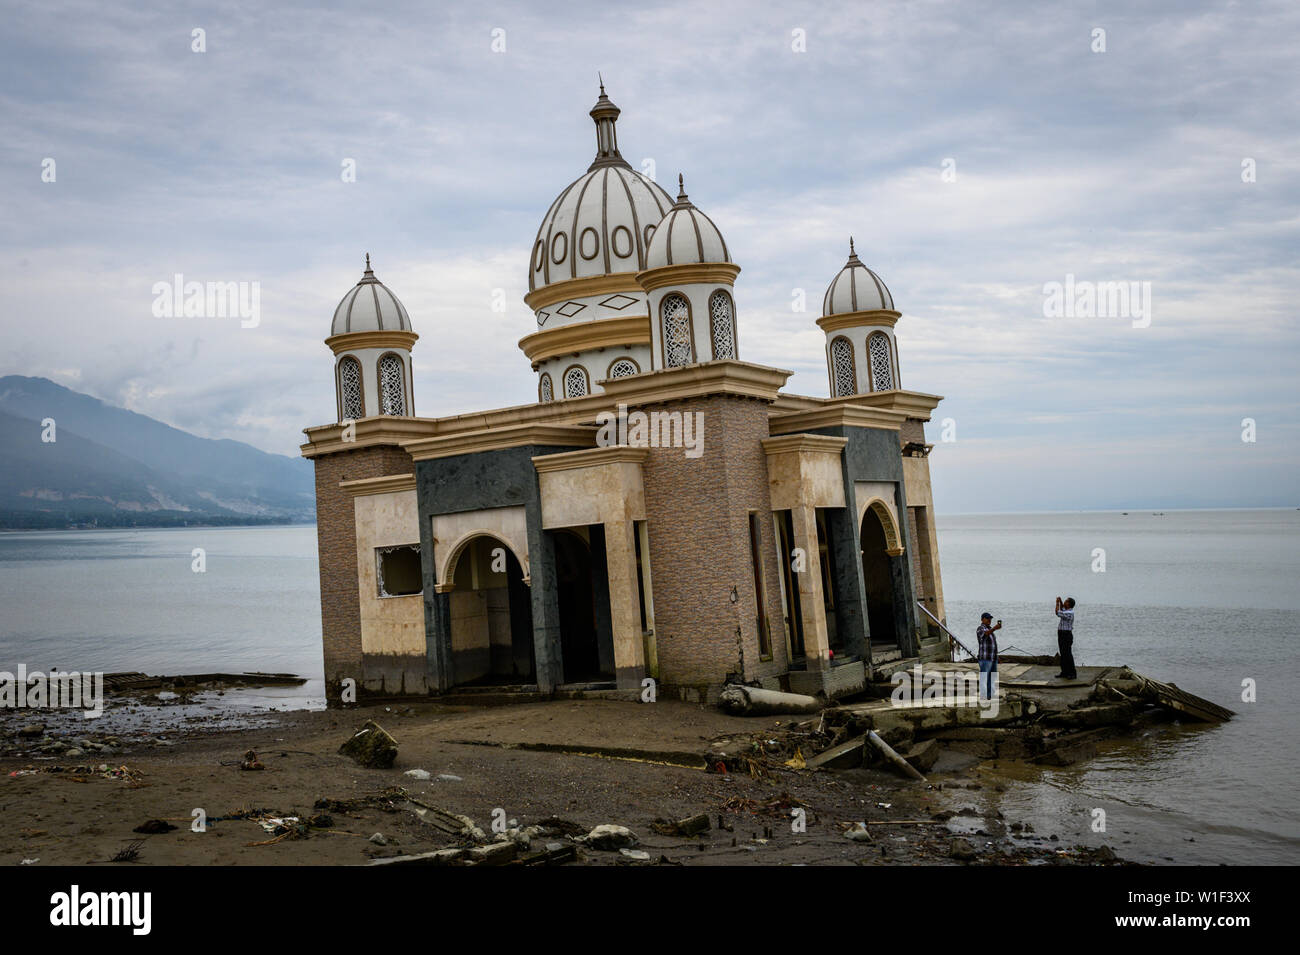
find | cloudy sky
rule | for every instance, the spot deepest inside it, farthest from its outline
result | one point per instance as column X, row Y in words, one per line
column 976, row 151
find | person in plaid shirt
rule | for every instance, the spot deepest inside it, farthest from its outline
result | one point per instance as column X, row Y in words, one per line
column 988, row 654
column 1065, row 637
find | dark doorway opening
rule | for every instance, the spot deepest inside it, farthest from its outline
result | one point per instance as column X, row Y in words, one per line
column 491, row 617
column 586, row 640
column 878, row 577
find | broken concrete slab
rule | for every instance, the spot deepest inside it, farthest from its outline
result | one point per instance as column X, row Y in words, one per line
column 496, row 853
column 440, row 857
column 371, row 746
column 846, row 755
column 923, row 755
column 1082, row 717
column 610, row 838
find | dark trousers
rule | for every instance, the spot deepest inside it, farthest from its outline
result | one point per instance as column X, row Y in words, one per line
column 1065, row 641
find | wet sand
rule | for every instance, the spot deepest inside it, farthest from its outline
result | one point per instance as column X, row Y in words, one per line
column 85, row 818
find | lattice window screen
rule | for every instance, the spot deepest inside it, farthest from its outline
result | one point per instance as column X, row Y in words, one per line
column 350, row 383
column 721, row 326
column 391, row 385
column 622, row 368
column 677, row 331
column 882, row 363
column 547, row 393
column 575, row 383
column 842, row 367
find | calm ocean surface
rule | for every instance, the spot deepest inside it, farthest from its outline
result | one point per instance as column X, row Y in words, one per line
column 1205, row 599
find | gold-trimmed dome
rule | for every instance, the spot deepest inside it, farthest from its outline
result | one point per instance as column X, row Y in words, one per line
column 602, row 222
column 856, row 289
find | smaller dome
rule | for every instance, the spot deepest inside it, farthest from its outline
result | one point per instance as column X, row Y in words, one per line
column 370, row 307
column 685, row 236
column 856, row 289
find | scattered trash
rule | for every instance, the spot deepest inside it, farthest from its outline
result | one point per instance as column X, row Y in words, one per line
column 250, row 761
column 378, row 839
column 449, row 778
column 860, row 833
column 638, row 854
column 418, row 774
column 277, row 825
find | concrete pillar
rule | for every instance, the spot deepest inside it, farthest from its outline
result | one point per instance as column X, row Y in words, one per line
column 848, row 586
column 437, row 616
column 624, row 603
column 812, row 604
column 546, row 606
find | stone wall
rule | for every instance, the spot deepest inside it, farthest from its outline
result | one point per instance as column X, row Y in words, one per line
column 697, row 516
column 336, row 544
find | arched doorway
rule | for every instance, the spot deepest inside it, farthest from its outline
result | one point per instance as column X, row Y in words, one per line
column 878, row 578
column 585, row 646
column 491, row 616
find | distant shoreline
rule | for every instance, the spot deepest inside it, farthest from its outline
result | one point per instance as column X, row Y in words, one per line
column 269, row 522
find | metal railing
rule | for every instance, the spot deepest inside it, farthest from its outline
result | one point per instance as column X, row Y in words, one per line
column 952, row 637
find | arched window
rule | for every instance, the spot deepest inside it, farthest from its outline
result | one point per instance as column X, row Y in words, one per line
column 392, row 385
column 623, row 367
column 678, row 348
column 575, row 382
column 350, row 402
column 843, row 373
column 882, row 364
column 544, row 390
column 722, row 325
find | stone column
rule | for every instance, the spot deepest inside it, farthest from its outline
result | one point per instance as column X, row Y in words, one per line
column 624, row 603
column 812, row 604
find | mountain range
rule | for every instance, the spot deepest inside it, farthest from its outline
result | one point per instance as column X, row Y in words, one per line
column 108, row 466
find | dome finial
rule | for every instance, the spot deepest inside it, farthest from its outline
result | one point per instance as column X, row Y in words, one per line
column 851, row 251
column 367, row 261
column 681, row 188
column 605, row 115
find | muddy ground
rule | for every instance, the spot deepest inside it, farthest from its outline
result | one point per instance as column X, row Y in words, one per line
column 72, row 795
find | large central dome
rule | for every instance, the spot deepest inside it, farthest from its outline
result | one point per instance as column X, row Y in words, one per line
column 601, row 224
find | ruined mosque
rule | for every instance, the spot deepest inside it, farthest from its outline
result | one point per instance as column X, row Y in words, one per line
column 663, row 509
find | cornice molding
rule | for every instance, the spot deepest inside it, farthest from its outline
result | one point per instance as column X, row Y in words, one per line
column 876, row 317
column 804, row 443
column 613, row 332
column 711, row 273
column 838, row 415
column 590, row 458
column 353, row 341
column 367, row 433
column 385, row 484
column 496, row 439
column 724, row 377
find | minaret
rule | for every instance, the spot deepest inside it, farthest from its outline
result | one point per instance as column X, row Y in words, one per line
column 858, row 318
column 689, row 281
column 371, row 337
